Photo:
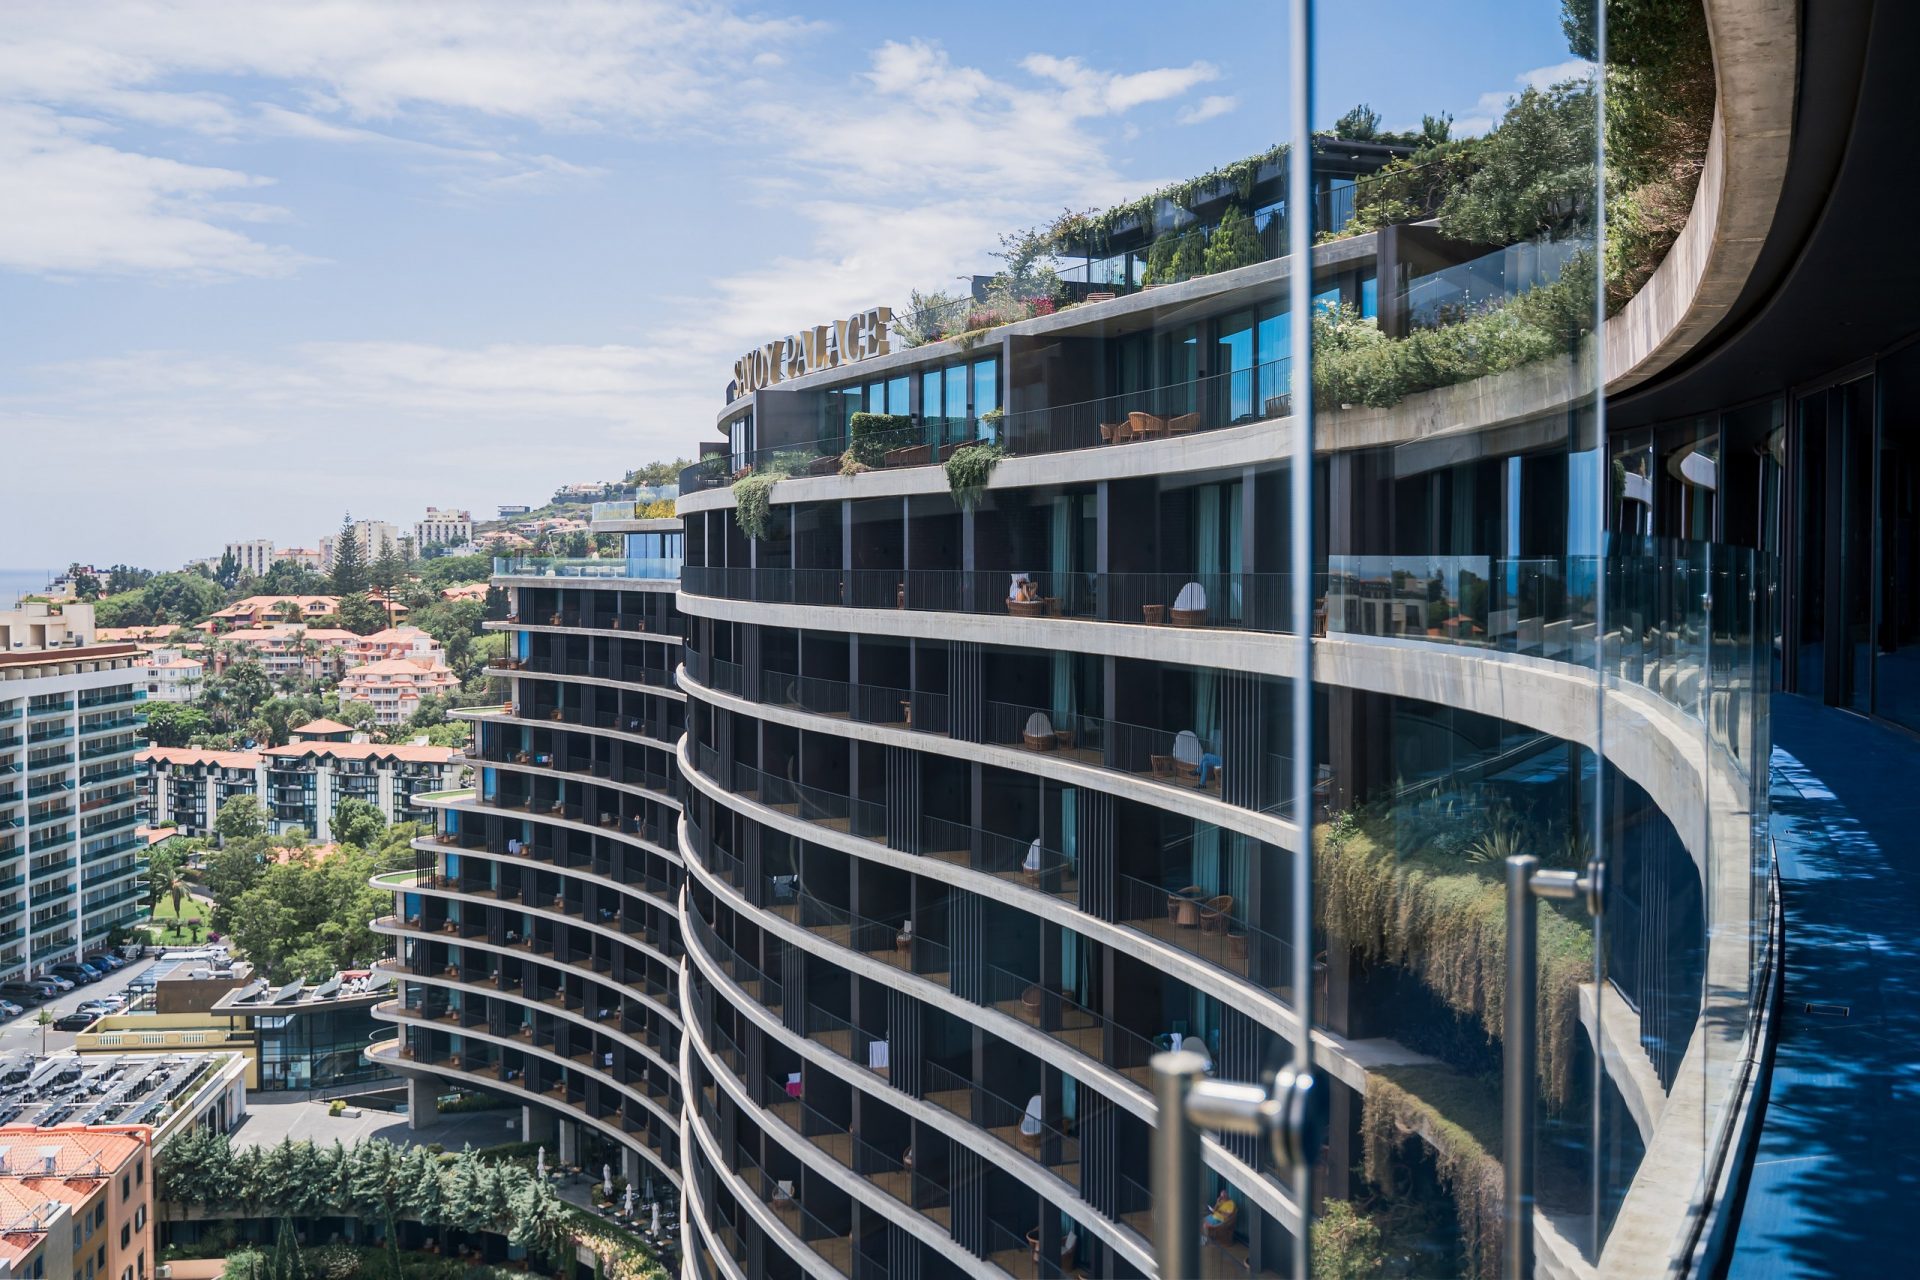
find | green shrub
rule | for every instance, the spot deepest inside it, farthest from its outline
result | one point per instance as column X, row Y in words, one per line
column 1346, row 1244
column 1234, row 243
column 753, row 504
column 338, row 1107
column 969, row 469
column 870, row 435
column 457, row 1103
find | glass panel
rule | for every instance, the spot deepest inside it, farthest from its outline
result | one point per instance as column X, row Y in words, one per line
column 1814, row 477
column 1896, row 679
column 1856, row 543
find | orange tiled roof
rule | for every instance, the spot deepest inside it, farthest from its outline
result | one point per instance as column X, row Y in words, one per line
column 199, row 755
column 365, row 751
column 324, row 726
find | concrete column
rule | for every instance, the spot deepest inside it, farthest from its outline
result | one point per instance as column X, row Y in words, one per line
column 569, row 1135
column 536, row 1125
column 630, row 1168
column 422, row 1095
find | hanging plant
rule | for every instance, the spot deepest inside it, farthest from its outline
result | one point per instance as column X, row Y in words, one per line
column 969, row 469
column 753, row 504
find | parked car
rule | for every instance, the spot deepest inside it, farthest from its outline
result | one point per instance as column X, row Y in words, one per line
column 108, row 959
column 8, row 1009
column 59, row 984
column 112, row 1004
column 76, row 1021
column 26, row 993
column 75, row 972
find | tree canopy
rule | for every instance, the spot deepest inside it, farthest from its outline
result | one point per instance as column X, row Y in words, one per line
column 349, row 560
column 175, row 724
column 241, row 817
column 361, row 614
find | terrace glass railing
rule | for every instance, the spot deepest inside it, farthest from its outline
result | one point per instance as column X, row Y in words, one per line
column 655, row 568
column 1233, row 398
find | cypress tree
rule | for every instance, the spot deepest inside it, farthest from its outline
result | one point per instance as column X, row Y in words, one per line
column 349, row 561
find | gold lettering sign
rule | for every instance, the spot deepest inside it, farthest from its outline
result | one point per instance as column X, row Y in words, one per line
column 860, row 336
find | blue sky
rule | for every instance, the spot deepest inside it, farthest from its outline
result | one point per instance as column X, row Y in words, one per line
column 262, row 263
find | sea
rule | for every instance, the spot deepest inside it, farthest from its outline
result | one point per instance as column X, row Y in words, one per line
column 15, row 583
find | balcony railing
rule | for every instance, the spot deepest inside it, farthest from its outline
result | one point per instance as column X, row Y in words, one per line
column 655, row 568
column 1230, row 601
column 1233, row 398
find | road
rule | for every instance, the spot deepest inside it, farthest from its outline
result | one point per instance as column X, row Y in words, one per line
column 22, row 1034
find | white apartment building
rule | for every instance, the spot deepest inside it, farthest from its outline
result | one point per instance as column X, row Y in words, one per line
column 301, row 783
column 254, row 555
column 375, row 536
column 37, row 625
column 394, row 687
column 70, row 855
column 305, row 557
column 449, row 528
column 172, row 676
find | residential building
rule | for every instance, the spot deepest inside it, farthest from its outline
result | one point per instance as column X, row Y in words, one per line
column 313, row 1036
column 395, row 642
column 37, row 626
column 254, row 555
column 449, row 528
column 300, row 783
column 256, row 611
column 305, row 557
column 998, row 787
column 465, row 591
column 77, row 1202
column 394, row 687
column 291, row 651
column 160, row 1093
column 172, row 676
column 508, row 510
column 538, row 945
column 70, row 856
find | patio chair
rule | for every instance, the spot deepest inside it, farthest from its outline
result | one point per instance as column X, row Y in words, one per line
column 1039, row 735
column 1185, row 424
column 1115, row 432
column 1217, row 914
column 1186, row 754
column 1190, row 606
column 1032, row 1126
column 1146, row 426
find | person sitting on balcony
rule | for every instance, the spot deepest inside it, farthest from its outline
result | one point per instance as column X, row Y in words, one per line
column 513, row 845
column 1209, row 761
column 1222, row 1214
column 1022, row 589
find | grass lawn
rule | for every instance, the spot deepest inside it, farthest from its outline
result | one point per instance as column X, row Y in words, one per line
column 168, row 927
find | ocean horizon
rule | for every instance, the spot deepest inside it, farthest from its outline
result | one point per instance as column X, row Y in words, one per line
column 15, row 583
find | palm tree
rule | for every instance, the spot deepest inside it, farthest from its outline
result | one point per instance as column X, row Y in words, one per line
column 45, row 1019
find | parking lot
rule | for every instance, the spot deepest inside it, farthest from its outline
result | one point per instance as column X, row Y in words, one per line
column 22, row 1034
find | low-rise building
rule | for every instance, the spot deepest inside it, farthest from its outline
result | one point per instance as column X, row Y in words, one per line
column 305, row 557
column 292, row 651
column 165, row 1093
column 77, row 1202
column 394, row 687
column 258, row 610
column 172, row 676
column 465, row 591
column 394, row 642
column 301, row 783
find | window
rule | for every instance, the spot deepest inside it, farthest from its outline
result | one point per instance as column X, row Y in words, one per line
column 76, row 1237
column 140, row 1218
column 140, row 1173
column 126, row 1185
column 126, row 1236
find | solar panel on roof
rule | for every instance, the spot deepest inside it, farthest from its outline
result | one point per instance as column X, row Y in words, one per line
column 379, row 981
column 251, row 990
column 288, row 992
column 327, row 988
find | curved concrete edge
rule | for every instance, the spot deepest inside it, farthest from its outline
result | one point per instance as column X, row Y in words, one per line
column 427, row 844
column 393, row 1018
column 567, row 726
column 850, row 1183
column 471, row 805
column 580, row 1019
column 769, row 1222
column 1040, row 1180
column 602, row 584
column 690, row 1197
column 608, row 633
column 1756, row 71
column 549, row 913
column 1259, row 1188
column 591, row 779
column 386, row 925
column 394, row 1062
column 598, row 682
column 1185, row 801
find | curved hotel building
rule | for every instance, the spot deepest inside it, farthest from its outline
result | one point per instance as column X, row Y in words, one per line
column 537, row 945
column 855, row 887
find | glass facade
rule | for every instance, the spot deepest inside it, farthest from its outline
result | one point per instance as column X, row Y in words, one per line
column 316, row 1048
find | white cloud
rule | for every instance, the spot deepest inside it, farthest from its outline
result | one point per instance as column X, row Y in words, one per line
column 1489, row 107
column 76, row 205
column 426, row 79
column 1210, row 107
